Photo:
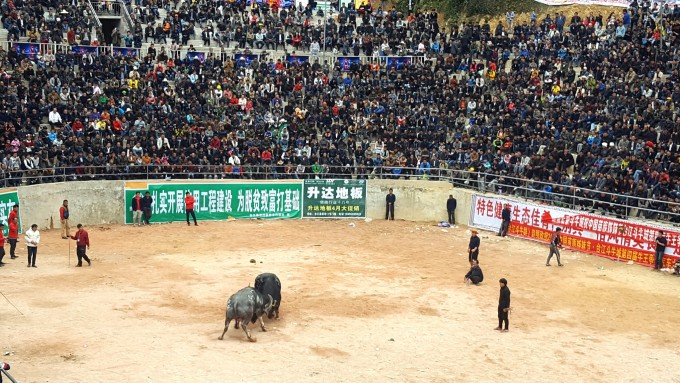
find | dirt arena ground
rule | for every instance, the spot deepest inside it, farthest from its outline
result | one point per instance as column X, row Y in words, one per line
column 378, row 301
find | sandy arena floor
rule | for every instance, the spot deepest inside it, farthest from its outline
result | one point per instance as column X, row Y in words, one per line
column 380, row 301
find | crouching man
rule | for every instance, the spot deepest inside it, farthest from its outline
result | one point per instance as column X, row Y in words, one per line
column 475, row 275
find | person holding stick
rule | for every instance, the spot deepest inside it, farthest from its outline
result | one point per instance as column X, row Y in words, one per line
column 82, row 244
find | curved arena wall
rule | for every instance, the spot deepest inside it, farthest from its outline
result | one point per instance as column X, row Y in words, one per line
column 103, row 202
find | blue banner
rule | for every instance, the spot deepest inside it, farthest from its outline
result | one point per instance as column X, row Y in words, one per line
column 398, row 62
column 346, row 62
column 29, row 50
column 127, row 52
column 200, row 56
column 244, row 60
column 83, row 49
column 297, row 60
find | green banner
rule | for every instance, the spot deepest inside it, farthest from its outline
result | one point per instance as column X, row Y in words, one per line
column 334, row 199
column 218, row 201
column 7, row 200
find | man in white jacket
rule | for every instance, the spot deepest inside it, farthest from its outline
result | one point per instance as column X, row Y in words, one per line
column 32, row 237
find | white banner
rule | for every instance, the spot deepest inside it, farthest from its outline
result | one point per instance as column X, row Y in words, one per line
column 590, row 233
column 613, row 3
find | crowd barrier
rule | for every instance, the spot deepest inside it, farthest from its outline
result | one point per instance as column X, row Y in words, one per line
column 34, row 51
column 98, row 202
column 581, row 231
column 577, row 198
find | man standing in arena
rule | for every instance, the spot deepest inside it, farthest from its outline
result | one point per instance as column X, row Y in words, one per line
column 473, row 247
column 14, row 214
column 136, row 208
column 32, row 240
column 555, row 246
column 505, row 223
column 82, row 244
column 390, row 199
column 503, row 306
column 63, row 216
column 660, row 249
column 451, row 209
column 147, row 201
column 189, row 202
column 13, row 236
column 2, row 243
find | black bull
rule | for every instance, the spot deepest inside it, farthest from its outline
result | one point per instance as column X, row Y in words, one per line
column 269, row 284
column 247, row 305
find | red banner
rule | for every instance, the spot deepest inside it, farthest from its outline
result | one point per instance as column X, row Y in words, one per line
column 602, row 236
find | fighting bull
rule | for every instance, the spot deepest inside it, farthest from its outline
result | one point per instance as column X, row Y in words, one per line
column 269, row 284
column 247, row 305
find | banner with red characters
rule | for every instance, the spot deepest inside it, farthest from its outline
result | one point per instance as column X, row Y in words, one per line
column 595, row 234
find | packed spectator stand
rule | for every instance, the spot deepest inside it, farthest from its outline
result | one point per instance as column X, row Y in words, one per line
column 576, row 111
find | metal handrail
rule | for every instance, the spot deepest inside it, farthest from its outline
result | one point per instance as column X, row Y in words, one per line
column 458, row 178
column 123, row 11
column 275, row 55
column 94, row 14
column 573, row 200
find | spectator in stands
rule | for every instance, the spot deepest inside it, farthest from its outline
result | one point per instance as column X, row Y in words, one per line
column 510, row 106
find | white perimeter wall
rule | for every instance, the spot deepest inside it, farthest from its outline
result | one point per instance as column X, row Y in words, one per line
column 102, row 202
column 90, row 203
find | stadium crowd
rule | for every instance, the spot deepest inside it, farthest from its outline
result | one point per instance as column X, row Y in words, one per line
column 570, row 108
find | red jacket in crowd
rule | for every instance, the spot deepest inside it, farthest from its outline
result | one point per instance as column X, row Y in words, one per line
column 13, row 230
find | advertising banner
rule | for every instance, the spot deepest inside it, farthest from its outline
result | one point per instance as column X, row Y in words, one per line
column 297, row 60
column 83, row 49
column 127, row 52
column 7, row 200
column 29, row 50
column 218, row 201
column 200, row 56
column 595, row 234
column 347, row 61
column 398, row 63
column 334, row 199
column 244, row 59
column 613, row 3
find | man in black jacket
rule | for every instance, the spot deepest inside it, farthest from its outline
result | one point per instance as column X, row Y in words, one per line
column 505, row 224
column 451, row 209
column 473, row 246
column 389, row 205
column 146, row 207
column 503, row 306
column 475, row 275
